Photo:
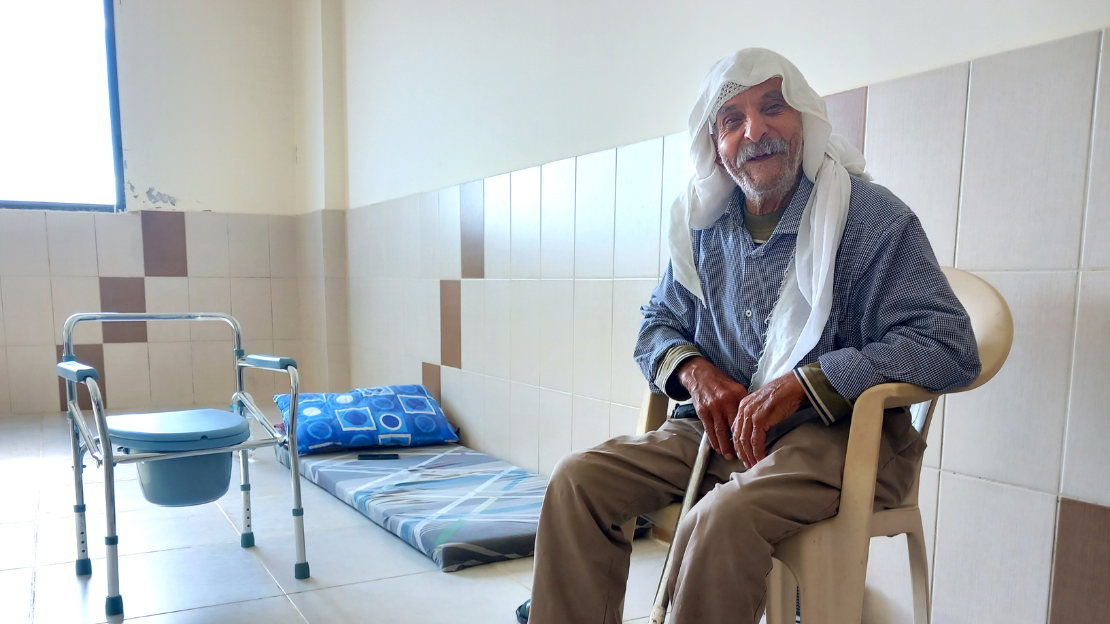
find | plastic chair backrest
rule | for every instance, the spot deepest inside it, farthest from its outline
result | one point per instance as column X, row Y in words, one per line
column 990, row 319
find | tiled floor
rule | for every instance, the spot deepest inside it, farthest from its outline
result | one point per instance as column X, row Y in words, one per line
column 184, row 565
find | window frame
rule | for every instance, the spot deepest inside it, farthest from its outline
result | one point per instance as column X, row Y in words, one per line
column 117, row 134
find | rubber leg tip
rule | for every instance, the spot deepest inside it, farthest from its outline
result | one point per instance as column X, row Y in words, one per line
column 246, row 540
column 300, row 570
column 84, row 567
column 113, row 605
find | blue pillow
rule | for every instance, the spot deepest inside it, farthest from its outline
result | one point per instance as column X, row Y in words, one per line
column 385, row 416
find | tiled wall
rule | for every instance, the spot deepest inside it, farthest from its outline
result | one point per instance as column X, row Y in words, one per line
column 516, row 299
column 254, row 267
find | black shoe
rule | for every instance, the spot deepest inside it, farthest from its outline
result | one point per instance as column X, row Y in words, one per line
column 522, row 611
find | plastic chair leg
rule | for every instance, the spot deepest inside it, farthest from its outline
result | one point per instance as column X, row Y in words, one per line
column 919, row 573
column 782, row 595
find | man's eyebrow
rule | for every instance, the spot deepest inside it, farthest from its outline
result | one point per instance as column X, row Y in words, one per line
column 727, row 108
column 774, row 95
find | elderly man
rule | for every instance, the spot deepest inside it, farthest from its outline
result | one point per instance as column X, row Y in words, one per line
column 794, row 285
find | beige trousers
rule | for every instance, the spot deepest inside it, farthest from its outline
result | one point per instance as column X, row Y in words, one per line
column 723, row 547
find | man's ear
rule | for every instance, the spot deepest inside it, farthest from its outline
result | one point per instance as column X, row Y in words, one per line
column 716, row 151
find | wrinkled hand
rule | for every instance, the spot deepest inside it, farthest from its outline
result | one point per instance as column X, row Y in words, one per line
column 716, row 398
column 762, row 410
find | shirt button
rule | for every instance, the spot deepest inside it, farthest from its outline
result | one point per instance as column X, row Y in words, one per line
column 748, row 313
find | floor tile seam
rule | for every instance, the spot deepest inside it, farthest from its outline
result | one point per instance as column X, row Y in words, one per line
column 309, row 590
column 221, row 604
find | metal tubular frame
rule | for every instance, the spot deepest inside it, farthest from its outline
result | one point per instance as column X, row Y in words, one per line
column 100, row 448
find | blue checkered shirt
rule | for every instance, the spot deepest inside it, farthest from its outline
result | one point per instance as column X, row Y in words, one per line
column 894, row 316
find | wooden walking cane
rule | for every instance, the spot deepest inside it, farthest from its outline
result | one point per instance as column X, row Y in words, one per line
column 662, row 598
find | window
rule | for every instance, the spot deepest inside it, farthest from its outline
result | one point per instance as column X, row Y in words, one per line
column 59, row 106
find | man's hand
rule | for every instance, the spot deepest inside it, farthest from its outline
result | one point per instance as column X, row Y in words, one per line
column 762, row 410
column 716, row 398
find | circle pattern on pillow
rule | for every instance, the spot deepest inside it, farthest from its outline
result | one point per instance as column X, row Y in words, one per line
column 402, row 415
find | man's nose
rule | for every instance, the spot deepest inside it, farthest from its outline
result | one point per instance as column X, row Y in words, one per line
column 756, row 128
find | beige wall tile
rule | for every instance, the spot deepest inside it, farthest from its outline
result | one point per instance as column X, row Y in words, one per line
column 1044, row 136
column 498, row 328
column 473, row 229
column 71, row 241
column 286, row 308
column 557, row 219
column 428, row 338
column 171, row 374
column 261, row 384
column 70, row 295
column 251, row 306
column 470, row 407
column 28, row 310
column 5, row 398
column 594, row 197
column 524, row 202
column 848, row 114
column 450, row 234
column 337, row 310
column 888, row 597
column 637, row 209
column 358, row 233
column 498, row 227
column 119, row 244
column 593, row 338
column 525, row 328
column 249, row 245
column 1011, row 429
column 524, row 426
column 210, row 294
column 428, row 207
column 498, row 417
column 167, row 294
column 334, row 232
column 915, row 138
column 623, row 420
column 3, row 338
column 1086, row 463
column 409, row 238
column 554, row 429
column 23, row 243
column 32, row 382
column 927, row 501
column 677, row 171
column 557, row 338
column 628, row 380
column 206, row 244
column 1096, row 241
column 410, row 299
column 213, row 372
column 129, row 365
column 283, row 246
column 589, row 423
column 984, row 530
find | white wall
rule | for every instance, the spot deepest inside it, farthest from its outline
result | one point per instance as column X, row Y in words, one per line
column 206, row 102
column 442, row 92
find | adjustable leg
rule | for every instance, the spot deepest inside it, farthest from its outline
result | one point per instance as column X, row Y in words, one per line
column 300, row 569
column 246, row 539
column 84, row 565
column 113, row 605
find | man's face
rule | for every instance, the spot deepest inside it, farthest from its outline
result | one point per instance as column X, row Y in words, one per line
column 759, row 139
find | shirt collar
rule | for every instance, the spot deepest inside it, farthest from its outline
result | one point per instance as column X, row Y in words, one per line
column 791, row 218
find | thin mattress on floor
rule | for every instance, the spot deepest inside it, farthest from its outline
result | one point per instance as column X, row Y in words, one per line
column 459, row 507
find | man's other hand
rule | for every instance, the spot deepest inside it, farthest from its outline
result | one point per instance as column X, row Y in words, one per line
column 760, row 411
column 716, row 398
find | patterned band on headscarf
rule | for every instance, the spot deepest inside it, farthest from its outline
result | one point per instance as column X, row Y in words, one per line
column 729, row 90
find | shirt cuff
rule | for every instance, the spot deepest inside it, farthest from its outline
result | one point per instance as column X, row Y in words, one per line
column 665, row 378
column 830, row 405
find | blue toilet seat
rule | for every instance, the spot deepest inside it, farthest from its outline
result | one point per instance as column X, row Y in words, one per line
column 187, row 430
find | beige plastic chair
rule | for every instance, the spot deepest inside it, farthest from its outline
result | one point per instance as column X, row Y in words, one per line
column 829, row 559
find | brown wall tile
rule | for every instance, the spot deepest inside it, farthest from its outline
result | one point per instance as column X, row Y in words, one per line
column 472, row 198
column 848, row 114
column 450, row 323
column 429, row 374
column 1081, row 576
column 164, row 244
column 123, row 294
column 93, row 355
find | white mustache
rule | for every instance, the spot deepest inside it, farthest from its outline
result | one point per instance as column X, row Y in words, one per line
column 766, row 147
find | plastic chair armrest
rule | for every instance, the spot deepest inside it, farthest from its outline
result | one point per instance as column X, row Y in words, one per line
column 272, row 362
column 653, row 411
column 76, row 371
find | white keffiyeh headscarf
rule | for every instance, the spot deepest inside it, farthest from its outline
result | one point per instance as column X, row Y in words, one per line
column 805, row 297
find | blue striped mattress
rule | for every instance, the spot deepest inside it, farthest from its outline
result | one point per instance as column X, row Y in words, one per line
column 459, row 507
